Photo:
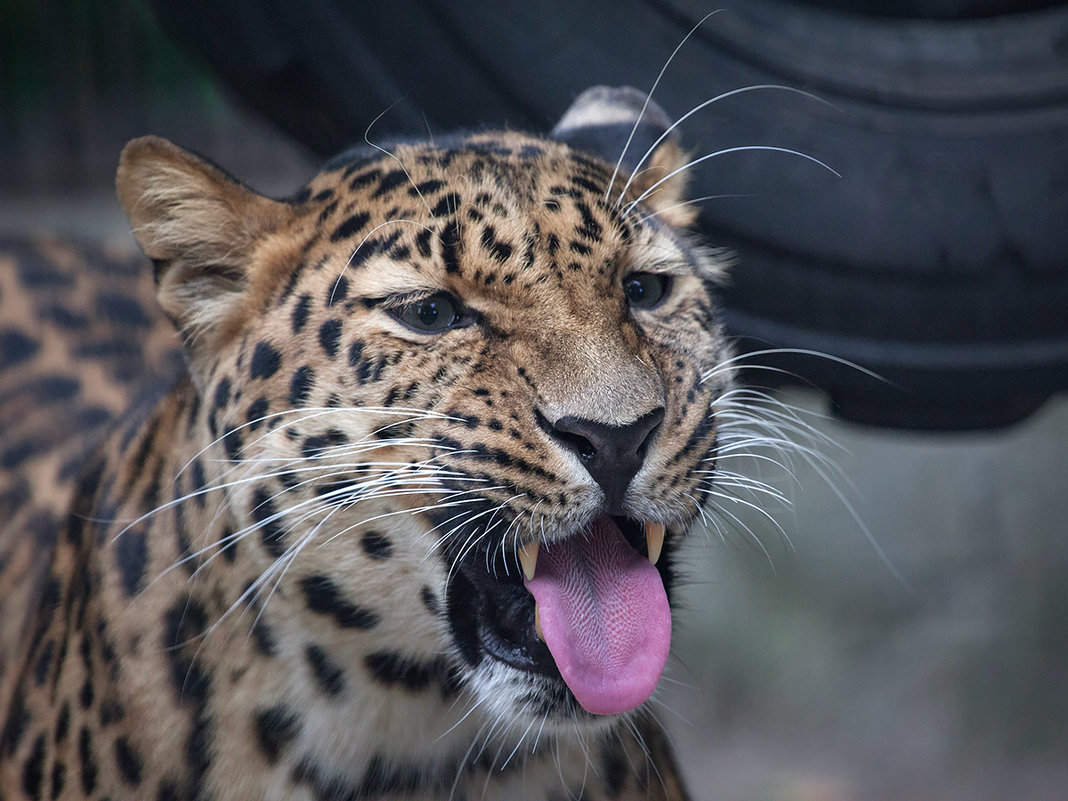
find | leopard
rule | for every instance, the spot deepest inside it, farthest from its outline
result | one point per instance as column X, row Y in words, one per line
column 375, row 491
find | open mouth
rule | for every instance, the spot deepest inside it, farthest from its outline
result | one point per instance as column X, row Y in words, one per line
column 591, row 611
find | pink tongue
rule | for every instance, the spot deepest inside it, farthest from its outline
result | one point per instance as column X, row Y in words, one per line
column 605, row 617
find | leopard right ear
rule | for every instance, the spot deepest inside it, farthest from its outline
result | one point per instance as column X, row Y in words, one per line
column 624, row 126
column 201, row 228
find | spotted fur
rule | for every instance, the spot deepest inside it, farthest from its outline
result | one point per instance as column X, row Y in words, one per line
column 266, row 580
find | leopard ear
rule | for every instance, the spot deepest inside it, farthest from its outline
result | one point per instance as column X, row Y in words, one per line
column 621, row 124
column 201, row 229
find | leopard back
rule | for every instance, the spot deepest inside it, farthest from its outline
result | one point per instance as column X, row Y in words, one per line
column 82, row 343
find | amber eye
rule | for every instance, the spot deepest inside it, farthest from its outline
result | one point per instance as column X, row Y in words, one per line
column 646, row 290
column 432, row 315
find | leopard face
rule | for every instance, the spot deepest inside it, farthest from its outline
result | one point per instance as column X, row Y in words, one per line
column 454, row 396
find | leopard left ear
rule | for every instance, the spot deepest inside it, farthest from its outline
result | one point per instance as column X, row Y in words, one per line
column 601, row 121
column 204, row 232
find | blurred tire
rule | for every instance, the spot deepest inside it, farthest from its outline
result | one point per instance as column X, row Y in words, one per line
column 939, row 259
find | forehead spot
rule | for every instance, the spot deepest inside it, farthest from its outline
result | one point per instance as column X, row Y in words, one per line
column 450, row 242
column 351, row 226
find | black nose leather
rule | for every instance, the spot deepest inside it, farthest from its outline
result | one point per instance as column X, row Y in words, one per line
column 611, row 454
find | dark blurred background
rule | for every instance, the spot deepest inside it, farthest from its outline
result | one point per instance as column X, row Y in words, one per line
column 80, row 78
column 910, row 641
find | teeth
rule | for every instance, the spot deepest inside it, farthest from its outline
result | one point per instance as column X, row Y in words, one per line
column 654, row 540
column 528, row 558
column 537, row 623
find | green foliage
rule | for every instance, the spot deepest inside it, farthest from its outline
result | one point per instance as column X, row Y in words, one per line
column 66, row 55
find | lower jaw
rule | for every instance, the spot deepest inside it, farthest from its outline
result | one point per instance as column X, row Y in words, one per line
column 471, row 609
column 530, row 688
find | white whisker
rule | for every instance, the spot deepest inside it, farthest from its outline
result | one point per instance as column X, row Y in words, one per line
column 648, row 99
column 367, row 139
column 724, row 152
column 705, row 104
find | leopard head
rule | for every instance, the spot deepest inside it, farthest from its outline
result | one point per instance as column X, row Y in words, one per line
column 462, row 395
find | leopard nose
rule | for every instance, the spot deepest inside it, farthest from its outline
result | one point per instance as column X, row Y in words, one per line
column 611, row 454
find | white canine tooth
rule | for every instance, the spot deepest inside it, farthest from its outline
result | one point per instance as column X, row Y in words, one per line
column 654, row 540
column 528, row 558
column 537, row 623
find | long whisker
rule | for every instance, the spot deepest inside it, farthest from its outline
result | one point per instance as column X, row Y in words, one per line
column 311, row 413
column 692, row 202
column 367, row 139
column 368, row 236
column 759, row 510
column 649, row 97
column 790, row 351
column 724, row 152
column 740, row 525
column 299, row 465
column 705, row 104
column 416, row 480
column 785, row 425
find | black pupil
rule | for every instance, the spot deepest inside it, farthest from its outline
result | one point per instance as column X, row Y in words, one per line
column 427, row 311
column 432, row 315
column 645, row 290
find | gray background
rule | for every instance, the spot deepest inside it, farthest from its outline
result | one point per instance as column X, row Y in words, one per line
column 816, row 673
